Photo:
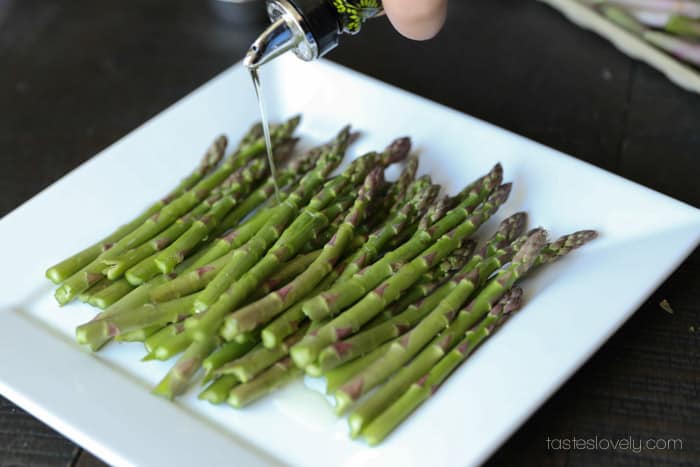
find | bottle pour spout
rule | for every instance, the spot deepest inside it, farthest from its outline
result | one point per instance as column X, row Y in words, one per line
column 277, row 39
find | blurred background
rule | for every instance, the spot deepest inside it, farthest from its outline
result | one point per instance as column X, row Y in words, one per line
column 76, row 76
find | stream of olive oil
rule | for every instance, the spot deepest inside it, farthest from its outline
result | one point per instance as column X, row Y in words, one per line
column 266, row 128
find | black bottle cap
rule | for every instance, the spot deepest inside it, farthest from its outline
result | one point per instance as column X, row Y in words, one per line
column 322, row 20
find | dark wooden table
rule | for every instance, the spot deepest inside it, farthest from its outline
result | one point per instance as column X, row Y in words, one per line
column 76, row 76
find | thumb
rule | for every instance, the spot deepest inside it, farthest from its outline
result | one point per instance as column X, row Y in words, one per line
column 416, row 19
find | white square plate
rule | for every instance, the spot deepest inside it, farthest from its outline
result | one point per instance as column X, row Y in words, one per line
column 102, row 400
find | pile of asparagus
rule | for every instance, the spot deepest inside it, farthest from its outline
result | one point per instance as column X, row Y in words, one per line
column 375, row 286
column 670, row 25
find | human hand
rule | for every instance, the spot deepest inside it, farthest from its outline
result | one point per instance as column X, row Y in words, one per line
column 416, row 19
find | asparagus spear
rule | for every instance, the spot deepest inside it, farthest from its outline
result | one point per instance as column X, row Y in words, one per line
column 173, row 342
column 156, row 223
column 92, row 272
column 275, row 223
column 254, row 362
column 424, row 194
column 263, row 310
column 336, row 377
column 217, row 392
column 347, row 292
column 134, row 260
column 275, row 377
column 289, row 321
column 288, row 244
column 459, row 288
column 195, row 195
column 228, row 352
column 175, row 253
column 86, row 296
column 167, row 332
column 351, row 320
column 122, row 287
column 408, row 345
column 69, row 266
column 177, row 379
column 465, row 320
column 424, row 387
column 146, row 315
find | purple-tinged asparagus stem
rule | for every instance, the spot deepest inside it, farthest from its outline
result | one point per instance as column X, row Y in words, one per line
column 228, row 352
column 179, row 376
column 425, row 193
column 257, row 360
column 384, row 419
column 66, row 268
column 347, row 292
column 349, row 322
column 146, row 315
column 262, row 311
column 407, row 346
column 459, row 288
column 275, row 377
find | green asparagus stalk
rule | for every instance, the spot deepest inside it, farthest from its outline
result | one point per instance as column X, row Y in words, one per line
column 347, row 292
column 288, row 272
column 86, row 296
column 92, row 272
column 275, row 377
column 217, row 392
column 382, row 424
column 187, row 239
column 228, row 352
column 262, row 311
column 373, row 303
column 138, row 335
column 69, row 266
column 146, row 315
column 115, row 269
column 276, row 222
column 425, row 193
column 163, row 335
column 256, row 361
column 459, row 288
column 288, row 322
column 287, row 246
column 111, row 294
column 408, row 345
column 171, row 344
column 179, row 376
column 290, row 175
column 174, row 254
column 337, row 377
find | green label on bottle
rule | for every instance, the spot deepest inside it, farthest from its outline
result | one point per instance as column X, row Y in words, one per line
column 355, row 12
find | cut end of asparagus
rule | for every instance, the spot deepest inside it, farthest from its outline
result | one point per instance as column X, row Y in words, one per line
column 313, row 370
column 302, row 355
column 342, row 402
column 269, row 339
column 355, row 424
column 54, row 275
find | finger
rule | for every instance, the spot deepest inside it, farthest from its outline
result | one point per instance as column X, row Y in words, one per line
column 416, row 19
